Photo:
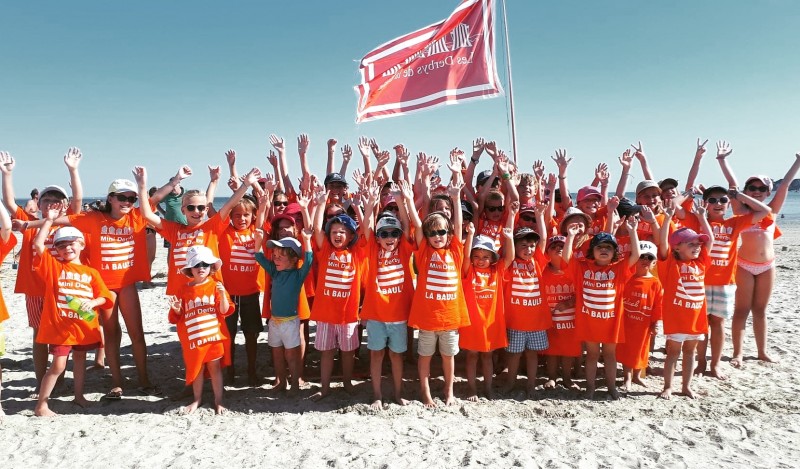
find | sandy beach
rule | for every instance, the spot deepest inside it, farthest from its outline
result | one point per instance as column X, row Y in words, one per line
column 750, row 420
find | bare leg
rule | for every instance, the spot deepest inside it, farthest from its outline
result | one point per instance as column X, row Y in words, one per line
column 197, row 390
column 131, row 310
column 532, row 363
column 717, row 326
column 472, row 371
column 673, row 352
column 293, row 358
column 552, row 371
column 215, row 370
column 637, row 377
column 40, row 356
column 424, row 369
column 326, row 370
column 397, row 377
column 763, row 289
column 512, row 362
column 626, row 382
column 745, row 286
column 113, row 336
column 449, row 367
column 610, row 368
column 279, row 363
column 487, row 368
column 304, row 339
column 567, row 369
column 689, row 347
column 100, row 354
column 79, row 377
column 48, row 383
column 592, row 356
column 348, row 362
column 702, row 348
column 375, row 369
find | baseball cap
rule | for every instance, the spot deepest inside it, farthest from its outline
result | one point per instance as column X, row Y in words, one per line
column 484, row 176
column 525, row 232
column 627, row 208
column 466, row 210
column 766, row 180
column 66, row 233
column 555, row 239
column 487, row 244
column 287, row 242
column 646, row 247
column 646, row 184
column 667, row 182
column 573, row 212
column 388, row 199
column 388, row 222
column 53, row 188
column 686, row 235
column 335, row 177
column 588, row 191
column 528, row 208
column 603, row 238
column 711, row 189
column 122, row 185
column 197, row 254
column 345, row 220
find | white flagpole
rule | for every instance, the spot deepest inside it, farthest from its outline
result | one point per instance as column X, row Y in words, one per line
column 510, row 86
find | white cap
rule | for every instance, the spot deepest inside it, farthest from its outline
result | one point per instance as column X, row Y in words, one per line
column 646, row 247
column 122, row 185
column 54, row 188
column 67, row 233
column 200, row 254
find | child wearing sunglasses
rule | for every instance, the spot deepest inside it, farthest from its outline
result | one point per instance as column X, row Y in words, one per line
column 389, row 287
column 199, row 311
column 641, row 303
column 492, row 213
column 720, row 279
column 439, row 310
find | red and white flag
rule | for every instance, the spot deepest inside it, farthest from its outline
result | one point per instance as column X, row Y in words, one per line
column 445, row 63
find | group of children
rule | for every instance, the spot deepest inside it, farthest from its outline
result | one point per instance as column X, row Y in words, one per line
column 508, row 269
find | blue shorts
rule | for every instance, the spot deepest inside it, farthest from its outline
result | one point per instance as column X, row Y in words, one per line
column 518, row 341
column 387, row 334
column 720, row 300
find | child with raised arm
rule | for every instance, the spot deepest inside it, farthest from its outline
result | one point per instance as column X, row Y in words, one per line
column 527, row 313
column 439, row 309
column 340, row 258
column 199, row 310
column 600, row 279
column 69, row 321
column 389, row 288
column 685, row 256
column 483, row 274
column 7, row 243
column 641, row 303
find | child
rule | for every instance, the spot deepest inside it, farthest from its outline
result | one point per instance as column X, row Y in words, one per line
column 599, row 282
column 684, row 311
column 199, row 311
column 527, row 314
column 483, row 289
column 438, row 309
column 64, row 326
column 563, row 344
column 340, row 260
column 287, row 283
column 7, row 243
column 389, row 289
column 641, row 304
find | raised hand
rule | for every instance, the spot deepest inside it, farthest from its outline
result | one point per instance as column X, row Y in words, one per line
column 214, row 171
column 73, row 157
column 454, row 189
column 477, row 147
column 383, row 159
column 373, row 145
column 538, row 169
column 269, row 183
column 302, row 144
column 561, row 159
column 332, row 144
column 513, row 208
column 723, row 149
column 174, row 303
column 612, row 204
column 540, row 209
column 669, row 210
column 574, row 229
column 639, row 152
column 220, row 290
column 626, row 160
column 363, row 146
column 701, row 148
column 140, row 175
column 276, row 142
column 491, row 149
column 306, row 233
column 402, row 154
column 347, row 153
column 321, row 197
column 358, row 177
column 252, row 176
column 273, row 159
column 7, row 162
column 602, row 174
column 406, row 190
column 470, row 227
column 230, row 156
column 184, row 172
column 551, row 183
column 304, row 198
column 233, row 183
column 647, row 214
column 456, row 159
column 631, row 224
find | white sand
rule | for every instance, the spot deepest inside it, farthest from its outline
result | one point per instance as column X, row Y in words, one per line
column 751, row 420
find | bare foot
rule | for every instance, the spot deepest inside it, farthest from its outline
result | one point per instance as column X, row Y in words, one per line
column 688, row 393
column 450, row 400
column 765, row 358
column 301, row 382
column 82, row 402
column 701, row 368
column 44, row 411
column 472, row 397
column 97, row 366
column 550, row 384
column 614, row 394
column 377, row 404
column 219, row 410
column 279, row 386
column 320, row 395
column 638, row 380
column 666, row 394
column 737, row 362
column 191, row 407
column 428, row 402
column 717, row 373
column 400, row 401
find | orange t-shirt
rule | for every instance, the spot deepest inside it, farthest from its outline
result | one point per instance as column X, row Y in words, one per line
column 684, row 306
column 112, row 246
column 181, row 238
column 27, row 281
column 598, row 299
column 201, row 327
column 59, row 324
column 525, row 305
column 483, row 292
column 5, row 248
column 645, row 230
column 492, row 229
column 641, row 302
column 559, row 288
column 724, row 251
column 388, row 288
column 599, row 221
column 439, row 303
column 339, row 282
column 240, row 271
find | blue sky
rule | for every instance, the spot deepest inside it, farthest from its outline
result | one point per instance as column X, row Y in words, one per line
column 167, row 83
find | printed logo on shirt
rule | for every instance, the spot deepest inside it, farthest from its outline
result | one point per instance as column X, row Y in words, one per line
column 484, row 285
column 339, row 275
column 243, row 252
column 691, row 292
column 442, row 281
column 76, row 285
column 116, row 248
column 562, row 318
column 200, row 318
column 391, row 275
column 721, row 248
column 599, row 294
column 525, row 289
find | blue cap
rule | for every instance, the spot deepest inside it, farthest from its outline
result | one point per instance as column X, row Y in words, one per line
column 348, row 223
column 603, row 238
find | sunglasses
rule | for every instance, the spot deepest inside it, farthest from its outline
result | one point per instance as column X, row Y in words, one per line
column 124, row 198
column 714, row 200
column 392, row 207
column 199, row 208
column 432, row 233
column 753, row 188
column 281, row 203
column 528, row 218
column 201, row 265
column 647, row 257
column 389, row 234
column 497, row 208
